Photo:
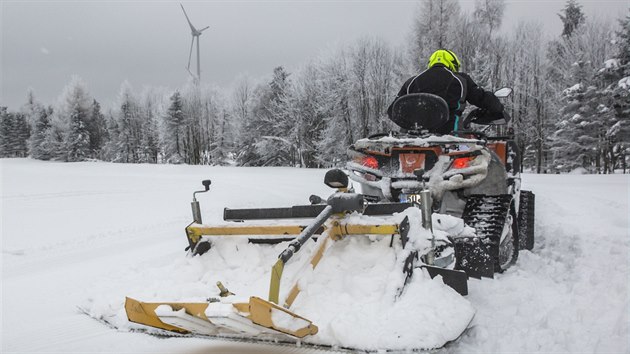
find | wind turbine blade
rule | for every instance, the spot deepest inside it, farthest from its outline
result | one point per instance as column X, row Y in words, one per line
column 203, row 29
column 190, row 54
column 192, row 28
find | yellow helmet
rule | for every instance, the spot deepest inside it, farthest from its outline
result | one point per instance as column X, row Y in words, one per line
column 446, row 58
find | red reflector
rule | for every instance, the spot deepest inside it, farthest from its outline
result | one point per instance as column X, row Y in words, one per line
column 370, row 161
column 461, row 162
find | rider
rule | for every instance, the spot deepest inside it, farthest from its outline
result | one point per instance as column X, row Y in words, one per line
column 442, row 78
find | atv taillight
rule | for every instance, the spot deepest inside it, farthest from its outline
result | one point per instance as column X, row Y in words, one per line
column 461, row 162
column 370, row 162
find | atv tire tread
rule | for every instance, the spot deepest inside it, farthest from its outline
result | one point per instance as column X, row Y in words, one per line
column 526, row 214
column 479, row 256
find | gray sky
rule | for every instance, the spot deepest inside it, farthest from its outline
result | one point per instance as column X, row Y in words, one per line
column 146, row 42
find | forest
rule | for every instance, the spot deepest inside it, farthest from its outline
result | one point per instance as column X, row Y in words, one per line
column 570, row 108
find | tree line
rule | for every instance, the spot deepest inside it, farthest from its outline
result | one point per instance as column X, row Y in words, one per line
column 570, row 108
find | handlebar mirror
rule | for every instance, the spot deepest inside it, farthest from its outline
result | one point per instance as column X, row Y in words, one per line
column 503, row 92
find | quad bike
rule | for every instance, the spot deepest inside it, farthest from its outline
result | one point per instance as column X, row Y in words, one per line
column 471, row 176
column 423, row 193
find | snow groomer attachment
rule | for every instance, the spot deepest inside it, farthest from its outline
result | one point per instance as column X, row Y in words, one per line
column 343, row 214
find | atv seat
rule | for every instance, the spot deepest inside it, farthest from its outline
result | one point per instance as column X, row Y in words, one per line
column 420, row 111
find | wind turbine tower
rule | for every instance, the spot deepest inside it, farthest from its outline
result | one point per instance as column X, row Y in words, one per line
column 195, row 35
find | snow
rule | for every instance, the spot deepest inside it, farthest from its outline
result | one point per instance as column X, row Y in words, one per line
column 166, row 310
column 89, row 234
column 579, row 171
column 573, row 89
column 611, row 63
column 414, row 141
column 624, row 83
column 287, row 322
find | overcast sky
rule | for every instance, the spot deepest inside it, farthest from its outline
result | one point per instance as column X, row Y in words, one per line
column 44, row 43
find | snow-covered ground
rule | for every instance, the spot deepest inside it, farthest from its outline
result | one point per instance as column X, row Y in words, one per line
column 82, row 234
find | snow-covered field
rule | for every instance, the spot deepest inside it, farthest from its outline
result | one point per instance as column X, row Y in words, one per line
column 86, row 234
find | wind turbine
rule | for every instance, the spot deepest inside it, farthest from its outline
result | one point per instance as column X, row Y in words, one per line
column 195, row 34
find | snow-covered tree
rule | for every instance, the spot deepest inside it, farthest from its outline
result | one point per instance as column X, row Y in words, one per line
column 489, row 13
column 434, row 27
column 31, row 108
column 37, row 147
column 241, row 111
column 381, row 82
column 572, row 17
column 173, row 129
column 524, row 70
column 72, row 115
column 151, row 108
column 126, row 140
column 338, row 131
column 97, row 129
column 14, row 133
column 490, row 51
column 575, row 59
column 615, row 101
column 38, row 118
column 576, row 142
column 263, row 141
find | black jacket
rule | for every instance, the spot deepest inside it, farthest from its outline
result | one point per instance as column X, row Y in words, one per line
column 455, row 88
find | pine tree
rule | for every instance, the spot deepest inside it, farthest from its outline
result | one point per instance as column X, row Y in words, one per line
column 38, row 119
column 96, row 128
column 14, row 133
column 572, row 17
column 127, row 135
column 580, row 136
column 125, row 141
column 174, row 130
column 150, row 141
column 73, row 113
column 36, row 144
column 77, row 138
column 5, row 132
column 615, row 98
column 31, row 108
column 264, row 140
column 109, row 150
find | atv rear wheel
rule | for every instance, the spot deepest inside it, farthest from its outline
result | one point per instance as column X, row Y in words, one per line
column 509, row 246
column 495, row 246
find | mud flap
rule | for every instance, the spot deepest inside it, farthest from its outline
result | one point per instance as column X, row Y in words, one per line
column 456, row 279
column 475, row 258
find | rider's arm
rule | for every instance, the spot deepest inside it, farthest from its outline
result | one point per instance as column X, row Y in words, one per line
column 481, row 98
